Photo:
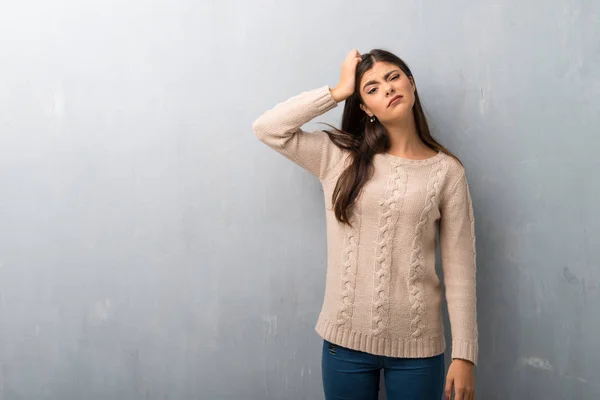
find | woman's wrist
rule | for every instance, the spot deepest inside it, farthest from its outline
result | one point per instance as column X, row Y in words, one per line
column 337, row 95
column 464, row 361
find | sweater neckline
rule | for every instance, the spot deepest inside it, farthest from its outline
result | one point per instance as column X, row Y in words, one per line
column 409, row 161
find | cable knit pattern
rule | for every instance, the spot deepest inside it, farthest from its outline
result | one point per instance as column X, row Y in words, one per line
column 416, row 291
column 390, row 207
column 382, row 294
column 349, row 268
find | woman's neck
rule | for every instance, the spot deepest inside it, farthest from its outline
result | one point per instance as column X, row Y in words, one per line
column 405, row 140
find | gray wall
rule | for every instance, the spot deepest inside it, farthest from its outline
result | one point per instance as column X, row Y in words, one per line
column 152, row 248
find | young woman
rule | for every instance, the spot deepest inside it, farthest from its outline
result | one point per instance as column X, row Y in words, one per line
column 390, row 188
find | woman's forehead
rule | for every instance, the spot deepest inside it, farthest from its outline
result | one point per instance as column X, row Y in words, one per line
column 379, row 69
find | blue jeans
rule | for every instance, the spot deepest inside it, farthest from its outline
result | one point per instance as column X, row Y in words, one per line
column 354, row 375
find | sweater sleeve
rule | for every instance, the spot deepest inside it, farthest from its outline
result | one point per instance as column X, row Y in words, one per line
column 280, row 129
column 457, row 245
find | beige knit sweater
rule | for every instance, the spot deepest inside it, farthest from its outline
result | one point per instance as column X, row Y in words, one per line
column 382, row 293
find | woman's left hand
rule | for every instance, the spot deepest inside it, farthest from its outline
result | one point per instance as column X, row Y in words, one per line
column 460, row 376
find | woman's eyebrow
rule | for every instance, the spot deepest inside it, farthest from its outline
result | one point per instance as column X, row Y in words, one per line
column 385, row 78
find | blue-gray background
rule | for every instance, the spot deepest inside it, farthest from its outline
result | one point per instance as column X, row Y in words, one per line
column 152, row 248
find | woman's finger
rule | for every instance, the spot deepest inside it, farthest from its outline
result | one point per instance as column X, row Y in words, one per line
column 448, row 388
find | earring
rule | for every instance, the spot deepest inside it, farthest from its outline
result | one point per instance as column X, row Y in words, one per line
column 372, row 119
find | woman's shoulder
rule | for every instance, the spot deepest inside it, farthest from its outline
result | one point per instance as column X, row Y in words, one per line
column 455, row 169
column 455, row 175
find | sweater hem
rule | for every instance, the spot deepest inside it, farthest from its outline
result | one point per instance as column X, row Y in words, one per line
column 466, row 350
column 382, row 346
column 323, row 100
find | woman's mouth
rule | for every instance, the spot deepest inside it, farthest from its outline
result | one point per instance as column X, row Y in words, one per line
column 395, row 101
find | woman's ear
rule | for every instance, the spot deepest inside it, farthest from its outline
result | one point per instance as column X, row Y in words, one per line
column 365, row 109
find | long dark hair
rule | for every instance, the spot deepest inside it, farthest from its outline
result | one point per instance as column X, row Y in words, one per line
column 364, row 139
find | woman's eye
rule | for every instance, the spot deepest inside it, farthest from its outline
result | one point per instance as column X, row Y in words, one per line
column 395, row 77
column 371, row 91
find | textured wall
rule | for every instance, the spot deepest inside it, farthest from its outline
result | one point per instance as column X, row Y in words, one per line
column 152, row 248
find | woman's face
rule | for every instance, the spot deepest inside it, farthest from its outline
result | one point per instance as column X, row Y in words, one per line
column 387, row 92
